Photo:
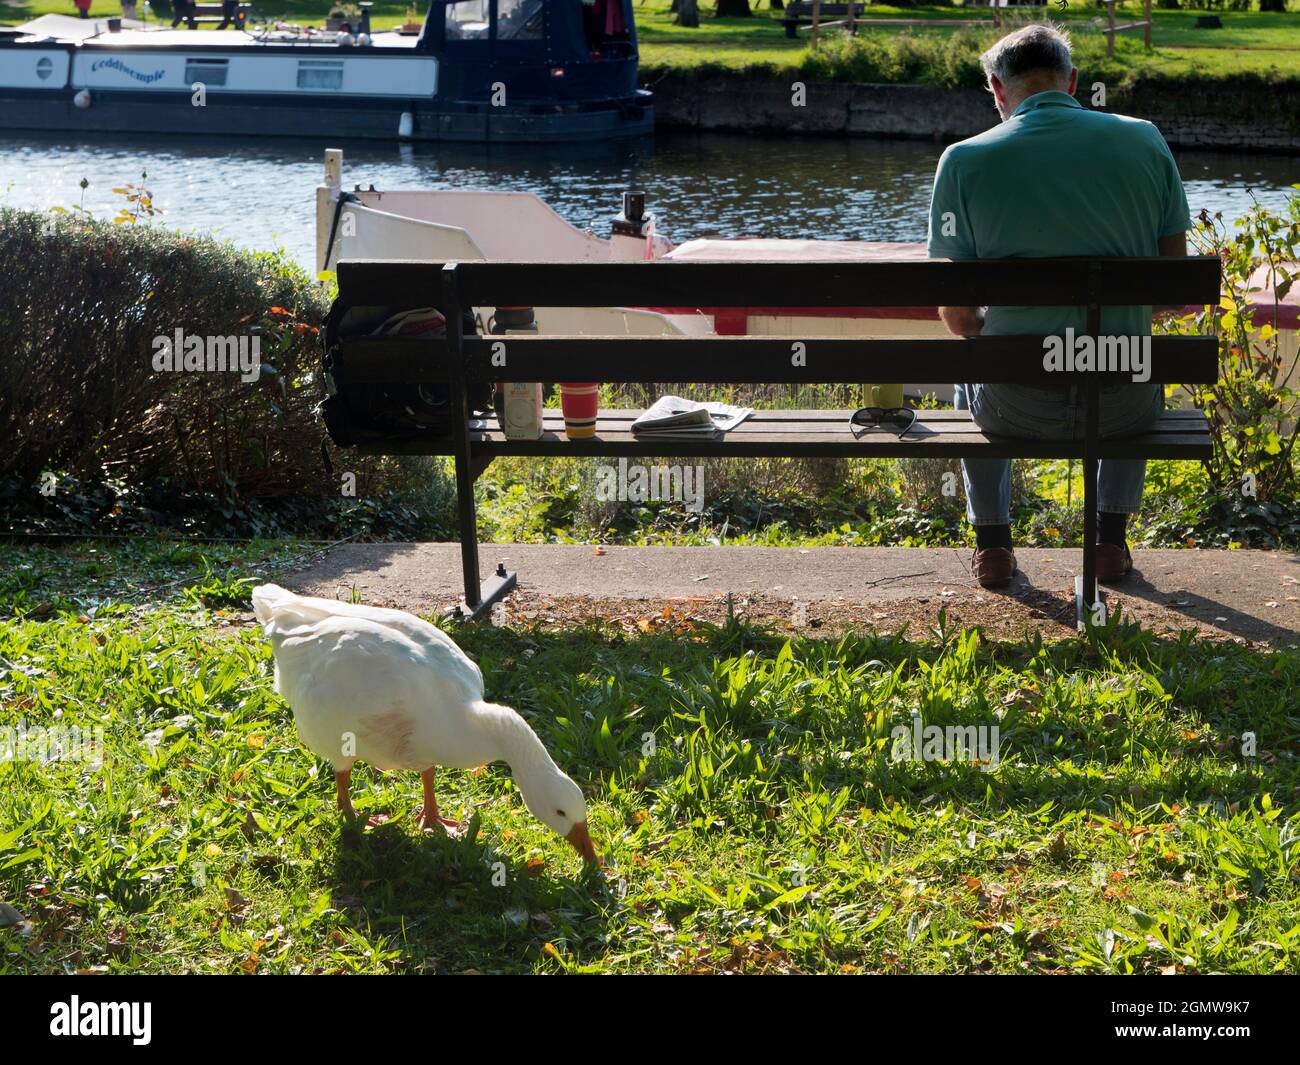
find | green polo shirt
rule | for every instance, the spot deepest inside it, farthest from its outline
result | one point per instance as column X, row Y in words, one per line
column 1056, row 180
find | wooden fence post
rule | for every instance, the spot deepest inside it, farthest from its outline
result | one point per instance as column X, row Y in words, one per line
column 816, row 15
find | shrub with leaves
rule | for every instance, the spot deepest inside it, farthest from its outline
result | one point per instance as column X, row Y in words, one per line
column 1250, row 407
column 83, row 305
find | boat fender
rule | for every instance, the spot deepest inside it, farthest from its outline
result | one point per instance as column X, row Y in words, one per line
column 344, row 38
column 344, row 198
column 406, row 125
column 363, row 39
column 82, row 99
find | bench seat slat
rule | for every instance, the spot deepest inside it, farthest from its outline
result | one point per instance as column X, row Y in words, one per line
column 1176, row 419
column 1179, row 434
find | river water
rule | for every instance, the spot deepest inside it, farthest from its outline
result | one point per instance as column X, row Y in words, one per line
column 259, row 193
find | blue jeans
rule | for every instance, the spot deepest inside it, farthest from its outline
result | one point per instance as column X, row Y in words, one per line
column 1054, row 414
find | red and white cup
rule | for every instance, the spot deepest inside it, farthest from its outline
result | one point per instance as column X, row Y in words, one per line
column 579, row 402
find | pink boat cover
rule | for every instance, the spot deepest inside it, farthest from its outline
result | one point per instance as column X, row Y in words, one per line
column 730, row 321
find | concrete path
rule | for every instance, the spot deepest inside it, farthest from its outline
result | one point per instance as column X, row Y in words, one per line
column 1250, row 595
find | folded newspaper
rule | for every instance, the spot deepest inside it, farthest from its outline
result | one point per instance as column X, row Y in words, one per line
column 672, row 416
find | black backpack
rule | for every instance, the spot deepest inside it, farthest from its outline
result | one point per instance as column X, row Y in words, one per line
column 357, row 412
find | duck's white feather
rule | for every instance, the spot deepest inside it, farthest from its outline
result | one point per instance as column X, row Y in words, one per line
column 377, row 685
column 384, row 687
column 281, row 612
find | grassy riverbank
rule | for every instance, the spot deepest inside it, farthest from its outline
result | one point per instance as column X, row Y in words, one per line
column 770, row 829
column 1250, row 42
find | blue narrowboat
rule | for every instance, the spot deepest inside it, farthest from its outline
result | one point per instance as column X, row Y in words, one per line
column 477, row 70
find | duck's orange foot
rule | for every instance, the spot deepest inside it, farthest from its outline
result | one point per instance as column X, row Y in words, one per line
column 435, row 822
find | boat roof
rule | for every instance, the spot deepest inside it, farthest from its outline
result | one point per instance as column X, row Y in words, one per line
column 135, row 34
column 749, row 249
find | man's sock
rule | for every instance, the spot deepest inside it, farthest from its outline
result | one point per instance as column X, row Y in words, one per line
column 1110, row 528
column 987, row 536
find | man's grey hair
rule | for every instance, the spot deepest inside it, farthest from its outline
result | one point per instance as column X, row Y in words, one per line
column 1038, row 48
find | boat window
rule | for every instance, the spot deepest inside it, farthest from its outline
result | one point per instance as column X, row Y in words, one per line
column 520, row 20
column 320, row 73
column 207, row 71
column 468, row 20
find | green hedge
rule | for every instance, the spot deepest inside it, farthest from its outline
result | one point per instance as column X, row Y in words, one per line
column 80, row 310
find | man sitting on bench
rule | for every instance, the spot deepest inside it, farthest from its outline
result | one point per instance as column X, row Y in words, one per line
column 1053, row 180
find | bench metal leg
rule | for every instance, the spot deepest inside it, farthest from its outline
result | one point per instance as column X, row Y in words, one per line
column 1086, row 598
column 1085, row 587
column 479, row 598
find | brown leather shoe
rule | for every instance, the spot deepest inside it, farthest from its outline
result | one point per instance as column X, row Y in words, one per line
column 1113, row 563
column 993, row 566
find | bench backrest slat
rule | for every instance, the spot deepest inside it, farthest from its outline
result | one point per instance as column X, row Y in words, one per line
column 894, row 283
column 764, row 360
column 758, row 360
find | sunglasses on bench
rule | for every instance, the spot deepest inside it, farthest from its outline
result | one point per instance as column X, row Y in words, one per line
column 896, row 420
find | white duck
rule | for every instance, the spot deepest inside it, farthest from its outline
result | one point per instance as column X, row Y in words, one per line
column 385, row 687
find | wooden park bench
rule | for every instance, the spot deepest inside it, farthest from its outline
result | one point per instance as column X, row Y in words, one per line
column 811, row 15
column 805, row 12
column 214, row 13
column 467, row 363
column 1144, row 24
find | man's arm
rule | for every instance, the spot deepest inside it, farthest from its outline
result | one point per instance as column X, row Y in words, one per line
column 950, row 238
column 963, row 321
column 1173, row 246
column 1176, row 219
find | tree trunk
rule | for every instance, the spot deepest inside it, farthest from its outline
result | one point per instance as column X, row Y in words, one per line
column 734, row 9
column 688, row 14
column 1272, row 5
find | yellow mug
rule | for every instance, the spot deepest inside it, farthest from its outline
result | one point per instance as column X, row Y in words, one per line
column 882, row 395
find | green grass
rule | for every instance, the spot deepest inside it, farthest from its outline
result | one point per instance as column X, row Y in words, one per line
column 865, row 503
column 1251, row 42
column 769, row 830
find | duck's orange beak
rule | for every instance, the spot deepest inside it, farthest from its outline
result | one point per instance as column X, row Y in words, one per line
column 581, row 841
